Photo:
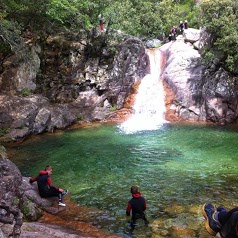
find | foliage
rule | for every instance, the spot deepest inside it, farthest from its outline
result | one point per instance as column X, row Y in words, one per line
column 3, row 131
column 79, row 118
column 25, row 92
column 221, row 21
column 147, row 18
column 9, row 36
column 113, row 108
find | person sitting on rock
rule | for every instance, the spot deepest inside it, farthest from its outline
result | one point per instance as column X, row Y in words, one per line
column 138, row 206
column 221, row 221
column 45, row 186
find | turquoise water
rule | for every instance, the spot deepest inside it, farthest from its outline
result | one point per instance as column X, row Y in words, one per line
column 178, row 163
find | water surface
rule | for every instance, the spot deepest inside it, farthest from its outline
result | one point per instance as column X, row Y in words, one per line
column 180, row 164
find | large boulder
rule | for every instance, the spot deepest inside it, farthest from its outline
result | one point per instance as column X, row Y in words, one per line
column 10, row 182
column 195, row 92
column 20, row 75
column 32, row 115
column 191, row 35
column 182, row 75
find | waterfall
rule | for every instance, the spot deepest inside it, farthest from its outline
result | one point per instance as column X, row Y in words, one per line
column 149, row 107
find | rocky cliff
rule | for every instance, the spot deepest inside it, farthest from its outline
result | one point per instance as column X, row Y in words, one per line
column 84, row 78
column 69, row 78
column 195, row 92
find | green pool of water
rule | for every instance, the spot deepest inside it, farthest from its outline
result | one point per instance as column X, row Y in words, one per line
column 186, row 164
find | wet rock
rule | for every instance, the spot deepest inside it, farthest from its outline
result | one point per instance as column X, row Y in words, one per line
column 130, row 65
column 181, row 232
column 38, row 230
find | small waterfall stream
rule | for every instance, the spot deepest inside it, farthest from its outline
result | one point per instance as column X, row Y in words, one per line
column 149, row 107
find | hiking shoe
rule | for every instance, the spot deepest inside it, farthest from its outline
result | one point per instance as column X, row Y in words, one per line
column 212, row 225
column 62, row 204
column 221, row 209
column 65, row 192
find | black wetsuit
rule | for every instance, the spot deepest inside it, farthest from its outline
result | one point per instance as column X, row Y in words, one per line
column 229, row 223
column 138, row 205
column 46, row 189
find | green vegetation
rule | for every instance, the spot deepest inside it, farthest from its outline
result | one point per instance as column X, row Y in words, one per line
column 4, row 131
column 138, row 18
column 113, row 108
column 79, row 118
column 143, row 18
column 25, row 92
column 3, row 153
column 220, row 17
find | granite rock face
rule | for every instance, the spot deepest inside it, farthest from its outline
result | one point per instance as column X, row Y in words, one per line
column 196, row 92
column 72, row 78
column 10, row 213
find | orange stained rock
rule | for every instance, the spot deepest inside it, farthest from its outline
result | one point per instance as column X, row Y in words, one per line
column 170, row 114
column 70, row 217
column 127, row 110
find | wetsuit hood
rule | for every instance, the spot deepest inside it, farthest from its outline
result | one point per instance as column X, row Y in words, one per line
column 136, row 195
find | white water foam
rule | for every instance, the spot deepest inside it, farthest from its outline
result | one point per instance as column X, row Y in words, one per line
column 149, row 105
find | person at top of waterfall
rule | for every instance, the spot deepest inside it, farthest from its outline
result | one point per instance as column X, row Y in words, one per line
column 136, row 206
column 173, row 32
column 221, row 221
column 185, row 24
column 170, row 37
column 181, row 26
column 45, row 186
column 101, row 22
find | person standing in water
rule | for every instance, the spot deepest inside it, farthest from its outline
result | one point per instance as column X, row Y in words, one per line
column 137, row 205
column 45, row 186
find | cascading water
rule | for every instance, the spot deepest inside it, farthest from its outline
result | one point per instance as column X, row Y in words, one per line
column 149, row 107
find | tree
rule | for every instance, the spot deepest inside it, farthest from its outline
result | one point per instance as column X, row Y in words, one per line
column 221, row 21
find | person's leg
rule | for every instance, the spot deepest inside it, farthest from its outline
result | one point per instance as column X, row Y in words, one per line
column 224, row 216
column 133, row 223
column 145, row 220
column 229, row 230
column 53, row 192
